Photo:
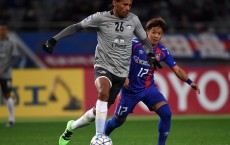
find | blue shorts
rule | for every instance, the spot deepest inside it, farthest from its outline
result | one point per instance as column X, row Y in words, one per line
column 127, row 101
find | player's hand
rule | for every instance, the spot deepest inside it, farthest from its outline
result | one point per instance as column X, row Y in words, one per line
column 126, row 84
column 153, row 61
column 195, row 87
column 49, row 45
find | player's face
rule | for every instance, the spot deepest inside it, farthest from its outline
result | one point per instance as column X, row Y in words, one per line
column 155, row 34
column 3, row 31
column 122, row 8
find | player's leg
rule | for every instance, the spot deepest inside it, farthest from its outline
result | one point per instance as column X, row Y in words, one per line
column 103, row 83
column 72, row 125
column 106, row 82
column 6, row 91
column 155, row 101
column 85, row 120
column 125, row 105
column 164, row 111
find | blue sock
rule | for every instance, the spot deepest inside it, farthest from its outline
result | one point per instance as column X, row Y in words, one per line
column 164, row 124
column 111, row 124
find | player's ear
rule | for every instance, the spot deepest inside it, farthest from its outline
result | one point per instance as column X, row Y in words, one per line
column 114, row 2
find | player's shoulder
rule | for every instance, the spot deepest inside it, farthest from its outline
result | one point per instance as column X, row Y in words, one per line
column 10, row 40
column 100, row 14
column 132, row 16
column 162, row 47
column 136, row 43
column 135, row 40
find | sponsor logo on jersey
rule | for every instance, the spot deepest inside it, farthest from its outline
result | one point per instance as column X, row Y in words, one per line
column 140, row 61
column 119, row 43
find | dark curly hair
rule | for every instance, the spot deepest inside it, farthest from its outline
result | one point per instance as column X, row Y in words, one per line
column 156, row 22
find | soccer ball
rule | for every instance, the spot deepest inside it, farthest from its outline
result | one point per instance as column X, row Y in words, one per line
column 101, row 139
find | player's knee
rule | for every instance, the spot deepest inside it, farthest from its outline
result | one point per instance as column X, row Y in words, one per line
column 121, row 119
column 168, row 114
column 165, row 112
column 7, row 95
column 103, row 95
column 118, row 121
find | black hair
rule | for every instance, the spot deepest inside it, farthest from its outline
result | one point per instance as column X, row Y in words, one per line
column 156, row 22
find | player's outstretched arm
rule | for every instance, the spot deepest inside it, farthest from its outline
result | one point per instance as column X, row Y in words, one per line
column 50, row 44
column 180, row 73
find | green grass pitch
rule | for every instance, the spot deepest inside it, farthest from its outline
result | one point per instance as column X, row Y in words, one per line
column 198, row 130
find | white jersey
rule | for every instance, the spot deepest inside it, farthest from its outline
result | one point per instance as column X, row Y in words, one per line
column 8, row 50
column 114, row 36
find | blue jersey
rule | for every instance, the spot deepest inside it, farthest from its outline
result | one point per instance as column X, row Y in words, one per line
column 141, row 75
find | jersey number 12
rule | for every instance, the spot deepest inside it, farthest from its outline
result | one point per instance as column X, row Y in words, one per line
column 142, row 72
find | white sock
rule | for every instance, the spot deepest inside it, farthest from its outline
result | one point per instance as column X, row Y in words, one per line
column 84, row 120
column 101, row 114
column 10, row 106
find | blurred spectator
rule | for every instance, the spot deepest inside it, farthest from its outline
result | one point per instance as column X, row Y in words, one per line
column 31, row 20
column 207, row 11
column 182, row 15
column 4, row 14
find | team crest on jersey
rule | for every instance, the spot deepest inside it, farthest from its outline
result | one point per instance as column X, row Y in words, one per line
column 128, row 27
column 158, row 56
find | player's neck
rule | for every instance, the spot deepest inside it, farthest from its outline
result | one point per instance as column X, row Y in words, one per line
column 154, row 46
column 113, row 12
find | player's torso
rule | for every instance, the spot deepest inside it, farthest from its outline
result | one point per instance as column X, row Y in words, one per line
column 118, row 32
column 5, row 52
column 115, row 42
column 140, row 74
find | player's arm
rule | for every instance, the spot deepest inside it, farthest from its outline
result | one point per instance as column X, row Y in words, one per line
column 50, row 44
column 126, row 84
column 141, row 35
column 180, row 73
column 90, row 22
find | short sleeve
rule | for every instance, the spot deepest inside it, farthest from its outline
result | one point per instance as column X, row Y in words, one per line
column 168, row 58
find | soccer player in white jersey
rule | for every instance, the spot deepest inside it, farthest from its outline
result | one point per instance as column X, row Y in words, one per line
column 8, row 55
column 115, row 30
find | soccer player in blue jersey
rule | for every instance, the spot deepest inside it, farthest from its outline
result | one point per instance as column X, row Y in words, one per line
column 140, row 86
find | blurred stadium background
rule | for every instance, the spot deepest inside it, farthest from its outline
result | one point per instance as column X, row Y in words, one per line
column 61, row 85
